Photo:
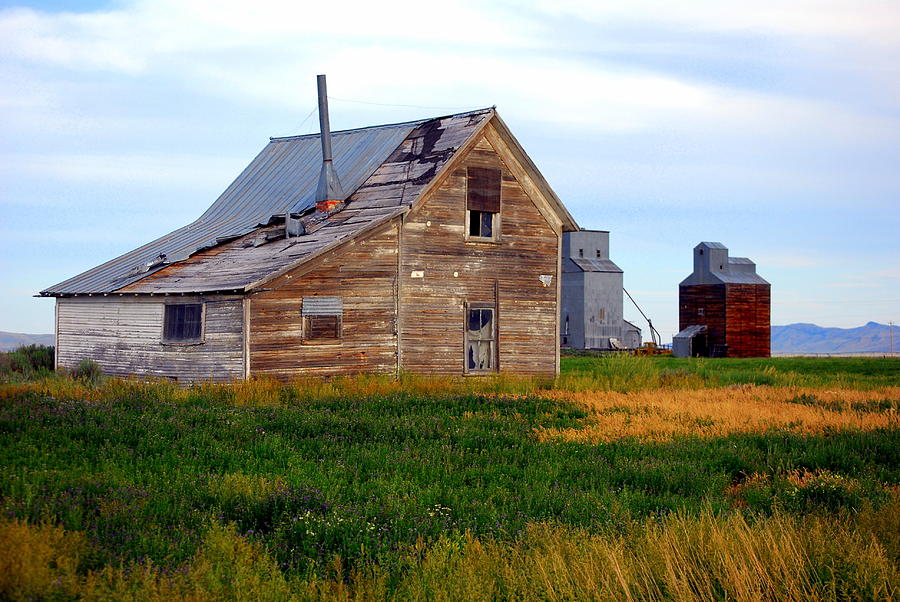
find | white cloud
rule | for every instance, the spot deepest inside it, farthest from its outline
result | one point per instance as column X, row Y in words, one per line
column 876, row 21
column 180, row 170
column 420, row 53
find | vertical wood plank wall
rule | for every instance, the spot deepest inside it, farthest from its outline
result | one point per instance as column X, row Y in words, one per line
column 432, row 307
column 123, row 335
column 748, row 317
column 364, row 274
column 737, row 315
column 709, row 297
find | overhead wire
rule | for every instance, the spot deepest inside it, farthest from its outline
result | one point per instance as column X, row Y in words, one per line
column 299, row 128
column 385, row 104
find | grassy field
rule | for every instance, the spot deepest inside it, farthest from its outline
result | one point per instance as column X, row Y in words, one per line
column 626, row 478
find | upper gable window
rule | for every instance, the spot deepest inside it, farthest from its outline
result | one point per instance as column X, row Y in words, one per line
column 322, row 317
column 483, row 202
column 183, row 323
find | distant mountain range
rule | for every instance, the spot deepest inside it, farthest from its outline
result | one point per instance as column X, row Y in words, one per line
column 793, row 338
column 809, row 338
column 14, row 340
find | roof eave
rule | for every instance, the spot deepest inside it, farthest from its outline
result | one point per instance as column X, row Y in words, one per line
column 325, row 249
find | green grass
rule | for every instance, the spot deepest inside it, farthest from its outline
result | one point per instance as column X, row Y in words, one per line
column 367, row 477
column 868, row 372
column 375, row 485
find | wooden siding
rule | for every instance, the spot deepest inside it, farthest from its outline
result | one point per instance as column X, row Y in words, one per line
column 124, row 335
column 737, row 315
column 711, row 299
column 505, row 273
column 748, row 318
column 363, row 274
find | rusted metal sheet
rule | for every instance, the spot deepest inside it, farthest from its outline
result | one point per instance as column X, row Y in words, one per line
column 384, row 167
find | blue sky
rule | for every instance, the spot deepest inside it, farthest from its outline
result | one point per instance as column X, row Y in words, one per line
column 774, row 130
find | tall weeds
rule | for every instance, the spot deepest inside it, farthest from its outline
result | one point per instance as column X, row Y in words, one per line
column 680, row 557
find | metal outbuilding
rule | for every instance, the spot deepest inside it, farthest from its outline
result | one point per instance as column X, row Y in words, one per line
column 592, row 295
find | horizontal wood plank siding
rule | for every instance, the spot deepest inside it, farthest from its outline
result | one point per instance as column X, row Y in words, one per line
column 124, row 335
column 433, row 306
column 363, row 275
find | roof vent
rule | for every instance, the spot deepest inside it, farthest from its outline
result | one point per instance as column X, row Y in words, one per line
column 330, row 193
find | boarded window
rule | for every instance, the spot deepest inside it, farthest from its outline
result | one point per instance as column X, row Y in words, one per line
column 183, row 322
column 322, row 327
column 483, row 201
column 481, row 350
column 483, row 189
column 322, row 318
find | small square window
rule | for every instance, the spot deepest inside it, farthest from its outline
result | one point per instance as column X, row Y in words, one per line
column 322, row 318
column 481, row 224
column 581, row 252
column 700, row 311
column 322, row 327
column 599, row 254
column 183, row 323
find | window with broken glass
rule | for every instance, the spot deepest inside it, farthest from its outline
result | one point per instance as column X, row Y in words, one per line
column 481, row 341
column 183, row 323
column 483, row 202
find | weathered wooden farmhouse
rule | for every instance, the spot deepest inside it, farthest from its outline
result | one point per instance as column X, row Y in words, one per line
column 724, row 307
column 431, row 246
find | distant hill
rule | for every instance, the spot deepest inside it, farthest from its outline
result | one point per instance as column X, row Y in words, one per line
column 809, row 338
column 14, row 340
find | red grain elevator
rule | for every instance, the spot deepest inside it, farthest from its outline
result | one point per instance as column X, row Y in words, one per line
column 724, row 307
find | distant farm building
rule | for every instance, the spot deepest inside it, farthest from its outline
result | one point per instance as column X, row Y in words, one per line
column 431, row 246
column 724, row 307
column 592, row 299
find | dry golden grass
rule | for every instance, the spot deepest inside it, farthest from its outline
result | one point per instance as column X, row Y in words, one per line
column 679, row 557
column 663, row 414
column 37, row 561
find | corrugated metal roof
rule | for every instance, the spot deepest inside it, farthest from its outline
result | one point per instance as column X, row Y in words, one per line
column 592, row 265
column 741, row 278
column 397, row 182
column 732, row 270
column 284, row 174
column 690, row 332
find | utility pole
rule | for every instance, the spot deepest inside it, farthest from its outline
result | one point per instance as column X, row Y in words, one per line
column 891, row 324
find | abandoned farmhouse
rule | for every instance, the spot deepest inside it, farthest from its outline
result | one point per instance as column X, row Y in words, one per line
column 431, row 246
